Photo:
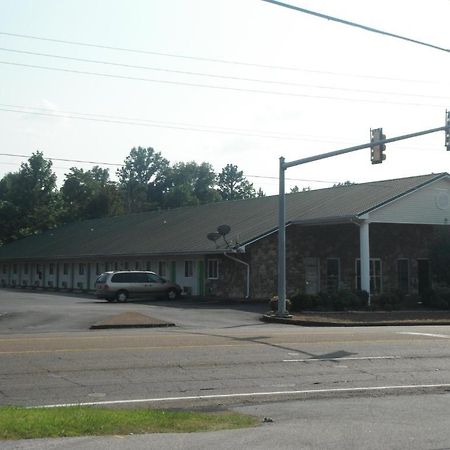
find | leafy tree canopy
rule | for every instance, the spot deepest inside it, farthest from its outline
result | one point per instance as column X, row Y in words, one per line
column 89, row 194
column 28, row 199
column 143, row 179
column 232, row 185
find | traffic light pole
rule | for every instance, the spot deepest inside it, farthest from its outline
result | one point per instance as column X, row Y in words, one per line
column 282, row 312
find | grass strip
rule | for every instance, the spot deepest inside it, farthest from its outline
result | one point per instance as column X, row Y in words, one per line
column 24, row 423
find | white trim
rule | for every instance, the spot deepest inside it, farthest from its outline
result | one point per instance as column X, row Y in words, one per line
column 217, row 269
column 256, row 394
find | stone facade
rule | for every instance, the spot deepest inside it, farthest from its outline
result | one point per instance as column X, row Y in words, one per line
column 312, row 252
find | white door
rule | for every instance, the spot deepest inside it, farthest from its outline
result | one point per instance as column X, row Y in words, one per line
column 312, row 275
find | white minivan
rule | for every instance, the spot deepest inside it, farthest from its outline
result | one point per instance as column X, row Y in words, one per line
column 120, row 286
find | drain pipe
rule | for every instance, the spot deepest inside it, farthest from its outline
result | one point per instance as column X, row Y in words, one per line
column 248, row 272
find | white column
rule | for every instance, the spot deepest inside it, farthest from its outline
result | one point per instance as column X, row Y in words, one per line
column 364, row 256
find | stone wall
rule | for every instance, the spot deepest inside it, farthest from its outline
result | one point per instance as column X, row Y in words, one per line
column 388, row 242
column 232, row 278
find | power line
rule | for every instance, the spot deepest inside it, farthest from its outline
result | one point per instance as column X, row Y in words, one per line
column 103, row 163
column 180, row 126
column 214, row 60
column 215, row 76
column 148, row 123
column 209, row 86
column 357, row 25
column 120, row 165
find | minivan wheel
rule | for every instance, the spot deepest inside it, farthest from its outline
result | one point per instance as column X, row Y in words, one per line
column 172, row 294
column 122, row 296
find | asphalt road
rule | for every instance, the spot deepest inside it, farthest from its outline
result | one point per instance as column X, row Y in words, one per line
column 316, row 383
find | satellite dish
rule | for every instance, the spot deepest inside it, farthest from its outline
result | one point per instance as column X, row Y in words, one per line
column 223, row 229
column 213, row 236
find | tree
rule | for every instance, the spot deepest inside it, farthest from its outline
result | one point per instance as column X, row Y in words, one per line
column 10, row 211
column 89, row 194
column 260, row 193
column 190, row 184
column 142, row 179
column 29, row 199
column 296, row 189
column 345, row 183
column 232, row 185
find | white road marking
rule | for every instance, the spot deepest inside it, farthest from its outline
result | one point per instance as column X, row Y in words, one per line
column 349, row 358
column 251, row 394
column 444, row 336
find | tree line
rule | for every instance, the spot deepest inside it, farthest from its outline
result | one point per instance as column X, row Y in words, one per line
column 31, row 202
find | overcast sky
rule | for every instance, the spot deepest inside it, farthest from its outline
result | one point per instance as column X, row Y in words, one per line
column 281, row 83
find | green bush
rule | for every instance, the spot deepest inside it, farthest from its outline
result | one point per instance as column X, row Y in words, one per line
column 438, row 298
column 344, row 299
column 302, row 302
column 389, row 300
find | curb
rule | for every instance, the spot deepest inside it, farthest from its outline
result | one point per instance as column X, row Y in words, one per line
column 311, row 323
column 134, row 325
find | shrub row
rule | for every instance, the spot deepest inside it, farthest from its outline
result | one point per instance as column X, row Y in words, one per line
column 346, row 299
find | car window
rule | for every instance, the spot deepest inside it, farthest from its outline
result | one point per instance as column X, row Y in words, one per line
column 140, row 278
column 121, row 278
column 130, row 277
column 155, row 278
column 102, row 278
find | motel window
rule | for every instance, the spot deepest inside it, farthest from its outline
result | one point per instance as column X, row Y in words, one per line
column 81, row 268
column 148, row 265
column 333, row 275
column 14, row 269
column 375, row 275
column 97, row 269
column 125, row 265
column 116, row 266
column 66, row 269
column 137, row 265
column 213, row 269
column 188, row 269
column 403, row 275
column 51, row 269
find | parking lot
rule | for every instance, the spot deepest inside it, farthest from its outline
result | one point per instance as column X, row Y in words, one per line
column 27, row 311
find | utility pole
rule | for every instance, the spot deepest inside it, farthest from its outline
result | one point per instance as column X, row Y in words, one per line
column 377, row 139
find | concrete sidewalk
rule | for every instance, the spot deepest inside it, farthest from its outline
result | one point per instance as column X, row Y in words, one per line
column 362, row 318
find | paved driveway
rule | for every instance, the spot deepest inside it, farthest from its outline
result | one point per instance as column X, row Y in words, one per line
column 23, row 311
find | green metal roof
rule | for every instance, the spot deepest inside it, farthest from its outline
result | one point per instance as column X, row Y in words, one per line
column 184, row 230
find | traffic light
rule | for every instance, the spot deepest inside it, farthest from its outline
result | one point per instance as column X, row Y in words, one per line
column 447, row 131
column 376, row 151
